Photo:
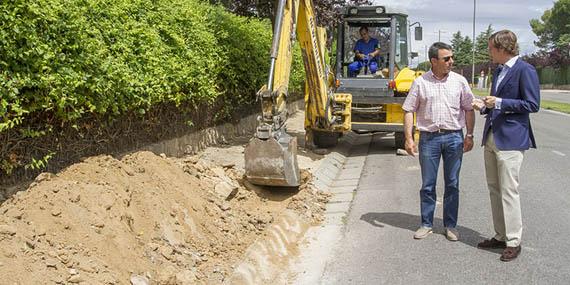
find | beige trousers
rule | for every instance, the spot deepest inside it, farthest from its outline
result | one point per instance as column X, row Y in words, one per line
column 502, row 171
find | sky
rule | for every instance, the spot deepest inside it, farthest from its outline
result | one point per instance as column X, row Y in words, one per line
column 450, row 16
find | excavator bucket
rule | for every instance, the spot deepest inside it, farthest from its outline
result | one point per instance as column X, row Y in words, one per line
column 272, row 162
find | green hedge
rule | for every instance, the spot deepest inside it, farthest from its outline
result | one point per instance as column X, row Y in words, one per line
column 554, row 76
column 70, row 59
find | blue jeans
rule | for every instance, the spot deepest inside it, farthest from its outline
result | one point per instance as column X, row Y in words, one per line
column 432, row 147
column 354, row 68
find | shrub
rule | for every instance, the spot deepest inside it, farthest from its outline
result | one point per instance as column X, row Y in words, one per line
column 66, row 60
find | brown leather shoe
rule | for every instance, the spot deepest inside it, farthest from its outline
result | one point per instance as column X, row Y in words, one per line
column 492, row 243
column 510, row 253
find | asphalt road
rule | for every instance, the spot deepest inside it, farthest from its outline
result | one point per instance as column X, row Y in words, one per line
column 377, row 246
column 562, row 96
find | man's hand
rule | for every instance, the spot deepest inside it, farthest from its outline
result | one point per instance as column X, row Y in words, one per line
column 490, row 101
column 478, row 104
column 467, row 144
column 411, row 148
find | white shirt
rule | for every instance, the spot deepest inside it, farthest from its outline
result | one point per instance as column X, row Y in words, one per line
column 439, row 103
column 506, row 67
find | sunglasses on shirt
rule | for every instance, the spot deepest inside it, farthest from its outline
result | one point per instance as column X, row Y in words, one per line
column 447, row 58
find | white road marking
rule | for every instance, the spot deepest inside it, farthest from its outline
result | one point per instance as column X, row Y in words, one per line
column 559, row 153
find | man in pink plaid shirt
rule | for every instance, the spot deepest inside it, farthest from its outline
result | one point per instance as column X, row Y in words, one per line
column 442, row 101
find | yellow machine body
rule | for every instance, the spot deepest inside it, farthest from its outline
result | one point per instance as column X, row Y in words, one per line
column 270, row 157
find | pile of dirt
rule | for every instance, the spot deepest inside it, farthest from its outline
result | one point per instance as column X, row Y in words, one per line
column 143, row 219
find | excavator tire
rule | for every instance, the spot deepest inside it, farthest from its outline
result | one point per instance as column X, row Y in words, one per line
column 400, row 140
column 325, row 139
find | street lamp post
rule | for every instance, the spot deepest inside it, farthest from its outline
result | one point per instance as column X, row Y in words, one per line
column 426, row 53
column 473, row 51
column 410, row 38
column 439, row 34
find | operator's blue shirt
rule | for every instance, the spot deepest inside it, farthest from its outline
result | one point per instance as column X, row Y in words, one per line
column 366, row 47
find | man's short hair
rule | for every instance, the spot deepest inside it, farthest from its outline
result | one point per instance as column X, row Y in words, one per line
column 505, row 40
column 435, row 47
column 363, row 28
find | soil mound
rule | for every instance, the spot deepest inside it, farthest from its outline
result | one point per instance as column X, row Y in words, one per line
column 143, row 219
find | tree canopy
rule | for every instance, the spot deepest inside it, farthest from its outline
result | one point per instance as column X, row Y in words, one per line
column 553, row 32
column 462, row 47
column 482, row 45
column 327, row 11
column 553, row 28
column 425, row 66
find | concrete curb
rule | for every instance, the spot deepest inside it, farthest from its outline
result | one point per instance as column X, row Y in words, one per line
column 267, row 259
column 264, row 259
column 331, row 166
column 339, row 174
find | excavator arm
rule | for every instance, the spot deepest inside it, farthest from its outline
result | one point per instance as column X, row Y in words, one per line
column 271, row 156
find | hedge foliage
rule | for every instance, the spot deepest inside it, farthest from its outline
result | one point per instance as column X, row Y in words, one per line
column 68, row 59
column 554, row 76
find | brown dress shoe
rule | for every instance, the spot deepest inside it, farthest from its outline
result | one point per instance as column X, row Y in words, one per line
column 492, row 243
column 511, row 253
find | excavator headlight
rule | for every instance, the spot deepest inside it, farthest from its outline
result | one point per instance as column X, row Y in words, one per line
column 353, row 11
column 380, row 10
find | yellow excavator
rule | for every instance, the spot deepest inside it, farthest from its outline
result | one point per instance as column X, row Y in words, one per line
column 271, row 155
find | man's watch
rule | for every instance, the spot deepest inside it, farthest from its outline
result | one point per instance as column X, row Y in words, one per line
column 469, row 135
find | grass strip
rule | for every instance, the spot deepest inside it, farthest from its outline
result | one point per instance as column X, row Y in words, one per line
column 556, row 106
column 545, row 104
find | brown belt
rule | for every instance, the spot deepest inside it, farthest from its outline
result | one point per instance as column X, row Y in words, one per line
column 442, row 131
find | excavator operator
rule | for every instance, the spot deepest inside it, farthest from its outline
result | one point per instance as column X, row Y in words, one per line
column 366, row 51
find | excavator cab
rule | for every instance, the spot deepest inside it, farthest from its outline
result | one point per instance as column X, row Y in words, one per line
column 376, row 98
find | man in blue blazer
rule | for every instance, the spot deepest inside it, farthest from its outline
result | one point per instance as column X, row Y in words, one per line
column 515, row 93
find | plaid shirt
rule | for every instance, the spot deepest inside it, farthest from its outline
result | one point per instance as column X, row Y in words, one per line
column 439, row 104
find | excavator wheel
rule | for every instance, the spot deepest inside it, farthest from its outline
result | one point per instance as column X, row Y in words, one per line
column 400, row 140
column 325, row 139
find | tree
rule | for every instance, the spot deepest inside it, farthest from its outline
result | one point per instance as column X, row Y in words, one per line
column 482, row 46
column 249, row 8
column 553, row 28
column 462, row 49
column 425, row 66
column 554, row 58
column 327, row 11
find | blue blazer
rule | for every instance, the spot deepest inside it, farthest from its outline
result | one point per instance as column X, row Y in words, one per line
column 520, row 95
